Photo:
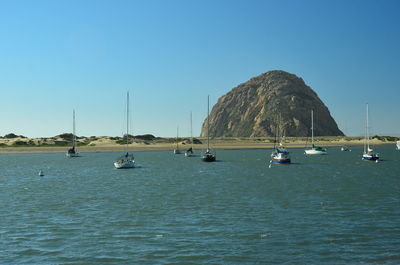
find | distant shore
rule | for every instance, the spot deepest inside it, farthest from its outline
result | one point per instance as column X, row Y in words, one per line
column 107, row 144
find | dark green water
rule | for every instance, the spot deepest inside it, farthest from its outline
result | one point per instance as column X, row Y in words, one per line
column 333, row 209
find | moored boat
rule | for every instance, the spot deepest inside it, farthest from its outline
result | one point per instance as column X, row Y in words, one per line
column 73, row 152
column 127, row 160
column 189, row 152
column 345, row 148
column 208, row 156
column 369, row 154
column 280, row 155
column 176, row 150
column 315, row 150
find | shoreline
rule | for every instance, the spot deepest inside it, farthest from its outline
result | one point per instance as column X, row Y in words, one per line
column 217, row 145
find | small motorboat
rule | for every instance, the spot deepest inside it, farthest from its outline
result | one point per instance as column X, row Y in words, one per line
column 345, row 148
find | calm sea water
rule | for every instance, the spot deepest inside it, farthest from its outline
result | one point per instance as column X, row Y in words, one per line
column 333, row 209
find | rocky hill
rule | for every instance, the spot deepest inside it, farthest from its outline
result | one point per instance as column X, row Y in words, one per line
column 256, row 107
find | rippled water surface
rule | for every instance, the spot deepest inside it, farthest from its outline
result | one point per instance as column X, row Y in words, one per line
column 333, row 209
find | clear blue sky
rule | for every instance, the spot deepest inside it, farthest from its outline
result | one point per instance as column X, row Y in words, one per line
column 60, row 55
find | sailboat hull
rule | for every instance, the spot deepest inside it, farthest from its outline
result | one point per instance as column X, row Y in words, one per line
column 125, row 164
column 72, row 155
column 126, row 161
column 280, row 156
column 208, row 158
column 345, row 149
column 280, row 161
column 315, row 152
column 370, row 157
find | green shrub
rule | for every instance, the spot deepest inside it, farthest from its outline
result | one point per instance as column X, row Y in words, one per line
column 123, row 141
column 385, row 138
column 145, row 137
column 65, row 136
column 20, row 143
column 12, row 135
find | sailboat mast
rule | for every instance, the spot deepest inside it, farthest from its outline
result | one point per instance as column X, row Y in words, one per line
column 127, row 119
column 312, row 127
column 276, row 134
column 208, row 122
column 279, row 137
column 177, row 134
column 73, row 129
column 191, row 130
column 367, row 128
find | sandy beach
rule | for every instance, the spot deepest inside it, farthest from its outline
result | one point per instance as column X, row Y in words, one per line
column 105, row 144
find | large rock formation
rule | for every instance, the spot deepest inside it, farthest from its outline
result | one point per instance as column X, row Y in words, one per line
column 256, row 107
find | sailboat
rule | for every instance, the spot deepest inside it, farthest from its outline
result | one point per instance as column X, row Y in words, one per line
column 315, row 150
column 369, row 154
column 176, row 150
column 189, row 152
column 208, row 156
column 72, row 152
column 398, row 145
column 127, row 160
column 280, row 155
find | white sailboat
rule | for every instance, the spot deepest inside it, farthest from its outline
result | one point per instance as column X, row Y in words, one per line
column 369, row 154
column 127, row 160
column 73, row 152
column 190, row 152
column 398, row 145
column 176, row 150
column 315, row 150
column 208, row 156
